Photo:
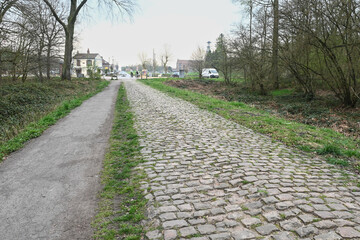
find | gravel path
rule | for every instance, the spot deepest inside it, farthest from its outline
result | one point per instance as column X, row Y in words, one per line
column 48, row 189
column 209, row 178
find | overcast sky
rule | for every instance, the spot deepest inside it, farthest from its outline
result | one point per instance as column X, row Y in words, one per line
column 180, row 24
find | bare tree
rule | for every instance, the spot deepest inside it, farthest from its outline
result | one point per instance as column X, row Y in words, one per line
column 249, row 8
column 166, row 57
column 49, row 33
column 332, row 31
column 198, row 60
column 124, row 6
column 275, row 46
column 5, row 6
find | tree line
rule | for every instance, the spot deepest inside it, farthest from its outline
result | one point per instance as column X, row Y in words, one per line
column 313, row 44
column 35, row 35
column 30, row 39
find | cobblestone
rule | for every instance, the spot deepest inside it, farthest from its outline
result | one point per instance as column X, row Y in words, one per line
column 348, row 232
column 170, row 234
column 187, row 231
column 206, row 229
column 266, row 229
column 211, row 179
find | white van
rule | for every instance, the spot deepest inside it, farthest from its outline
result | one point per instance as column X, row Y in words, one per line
column 210, row 73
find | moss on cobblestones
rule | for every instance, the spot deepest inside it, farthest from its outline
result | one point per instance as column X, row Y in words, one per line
column 122, row 203
column 304, row 137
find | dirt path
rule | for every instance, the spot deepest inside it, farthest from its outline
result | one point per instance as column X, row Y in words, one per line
column 212, row 179
column 48, row 189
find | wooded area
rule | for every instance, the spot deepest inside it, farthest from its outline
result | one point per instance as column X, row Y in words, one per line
column 314, row 44
column 38, row 35
column 30, row 40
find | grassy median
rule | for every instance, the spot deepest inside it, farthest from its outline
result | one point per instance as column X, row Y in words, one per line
column 122, row 203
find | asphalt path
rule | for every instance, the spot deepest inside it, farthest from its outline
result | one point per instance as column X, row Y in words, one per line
column 48, row 189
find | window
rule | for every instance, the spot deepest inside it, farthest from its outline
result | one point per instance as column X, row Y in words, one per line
column 88, row 62
column 78, row 63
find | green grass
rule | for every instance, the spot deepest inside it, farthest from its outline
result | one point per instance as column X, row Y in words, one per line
column 27, row 129
column 337, row 161
column 304, row 137
column 281, row 92
column 330, row 149
column 122, row 203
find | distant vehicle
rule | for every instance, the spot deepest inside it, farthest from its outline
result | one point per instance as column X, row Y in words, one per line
column 123, row 74
column 210, row 73
column 175, row 74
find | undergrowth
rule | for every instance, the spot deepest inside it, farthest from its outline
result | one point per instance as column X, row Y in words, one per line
column 28, row 109
column 122, row 204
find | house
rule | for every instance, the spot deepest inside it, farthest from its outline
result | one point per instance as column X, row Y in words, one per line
column 106, row 66
column 185, row 65
column 84, row 64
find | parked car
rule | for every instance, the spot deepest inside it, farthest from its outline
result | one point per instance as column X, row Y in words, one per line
column 210, row 73
column 175, row 74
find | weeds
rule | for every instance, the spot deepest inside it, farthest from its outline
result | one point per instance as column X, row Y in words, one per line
column 337, row 161
column 122, row 204
column 330, row 149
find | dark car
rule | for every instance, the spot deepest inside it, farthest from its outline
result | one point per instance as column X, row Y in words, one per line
column 175, row 74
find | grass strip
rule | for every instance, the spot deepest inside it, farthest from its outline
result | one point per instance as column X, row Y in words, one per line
column 35, row 129
column 122, row 203
column 323, row 141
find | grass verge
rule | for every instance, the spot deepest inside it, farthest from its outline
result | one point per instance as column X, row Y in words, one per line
column 36, row 128
column 121, row 204
column 323, row 141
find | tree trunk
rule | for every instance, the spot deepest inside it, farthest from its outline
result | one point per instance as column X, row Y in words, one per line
column 275, row 46
column 66, row 71
column 251, row 48
column 48, row 62
column 41, row 78
column 1, row 67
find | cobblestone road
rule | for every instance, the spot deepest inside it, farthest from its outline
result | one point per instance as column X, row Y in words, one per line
column 209, row 178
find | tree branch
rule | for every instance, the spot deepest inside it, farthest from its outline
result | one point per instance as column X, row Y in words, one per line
column 55, row 15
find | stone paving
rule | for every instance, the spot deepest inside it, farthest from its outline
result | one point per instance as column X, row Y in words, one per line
column 210, row 178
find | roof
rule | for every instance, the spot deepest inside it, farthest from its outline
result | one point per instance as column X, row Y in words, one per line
column 86, row 55
column 104, row 62
column 184, row 61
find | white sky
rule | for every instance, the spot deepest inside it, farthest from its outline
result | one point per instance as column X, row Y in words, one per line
column 180, row 24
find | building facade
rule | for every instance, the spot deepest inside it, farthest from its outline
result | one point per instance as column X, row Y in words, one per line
column 85, row 64
column 185, row 65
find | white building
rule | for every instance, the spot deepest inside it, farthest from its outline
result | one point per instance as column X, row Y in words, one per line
column 86, row 63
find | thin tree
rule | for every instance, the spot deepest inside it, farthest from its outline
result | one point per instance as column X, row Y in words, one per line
column 165, row 57
column 249, row 8
column 275, row 46
column 124, row 6
column 198, row 60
